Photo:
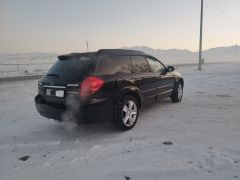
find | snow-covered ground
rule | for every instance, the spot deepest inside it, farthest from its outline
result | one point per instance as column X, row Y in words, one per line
column 204, row 129
column 19, row 70
column 25, row 64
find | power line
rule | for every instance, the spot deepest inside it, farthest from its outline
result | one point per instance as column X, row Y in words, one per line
column 218, row 11
column 223, row 13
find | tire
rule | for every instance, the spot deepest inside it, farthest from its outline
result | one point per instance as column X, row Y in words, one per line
column 177, row 93
column 126, row 114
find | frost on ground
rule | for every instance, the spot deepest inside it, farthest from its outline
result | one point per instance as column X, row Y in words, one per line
column 198, row 138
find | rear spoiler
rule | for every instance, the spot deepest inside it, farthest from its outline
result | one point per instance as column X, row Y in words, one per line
column 71, row 55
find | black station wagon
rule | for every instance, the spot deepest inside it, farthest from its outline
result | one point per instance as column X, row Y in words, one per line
column 110, row 84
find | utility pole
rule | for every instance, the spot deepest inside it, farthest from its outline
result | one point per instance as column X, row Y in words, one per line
column 200, row 41
column 87, row 45
column 236, row 52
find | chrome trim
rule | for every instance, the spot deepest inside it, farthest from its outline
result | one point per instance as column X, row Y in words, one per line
column 165, row 86
column 72, row 85
column 73, row 92
column 149, row 90
column 160, row 87
column 165, row 92
column 60, row 87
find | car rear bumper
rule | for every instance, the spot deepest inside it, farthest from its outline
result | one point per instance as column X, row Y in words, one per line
column 91, row 112
column 48, row 111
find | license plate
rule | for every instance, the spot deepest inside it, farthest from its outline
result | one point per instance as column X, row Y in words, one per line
column 52, row 92
column 59, row 93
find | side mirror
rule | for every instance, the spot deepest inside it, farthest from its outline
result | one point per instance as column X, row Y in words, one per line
column 170, row 68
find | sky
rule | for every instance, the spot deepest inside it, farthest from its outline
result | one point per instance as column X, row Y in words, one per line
column 63, row 26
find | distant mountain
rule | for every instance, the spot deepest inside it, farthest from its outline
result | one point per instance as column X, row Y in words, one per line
column 179, row 56
column 170, row 56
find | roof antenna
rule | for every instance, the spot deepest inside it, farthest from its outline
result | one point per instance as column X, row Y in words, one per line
column 87, row 46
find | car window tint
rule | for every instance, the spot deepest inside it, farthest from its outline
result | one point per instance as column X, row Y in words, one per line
column 155, row 65
column 114, row 65
column 73, row 66
column 140, row 64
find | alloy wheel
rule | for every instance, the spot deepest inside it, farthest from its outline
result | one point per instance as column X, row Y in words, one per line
column 129, row 113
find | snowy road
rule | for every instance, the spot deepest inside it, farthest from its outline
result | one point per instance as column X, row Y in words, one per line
column 204, row 129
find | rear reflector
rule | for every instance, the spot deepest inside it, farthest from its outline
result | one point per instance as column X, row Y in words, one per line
column 90, row 85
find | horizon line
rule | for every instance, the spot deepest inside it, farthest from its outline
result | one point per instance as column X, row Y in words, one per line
column 124, row 47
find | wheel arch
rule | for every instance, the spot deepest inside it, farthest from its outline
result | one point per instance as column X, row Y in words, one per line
column 180, row 80
column 132, row 91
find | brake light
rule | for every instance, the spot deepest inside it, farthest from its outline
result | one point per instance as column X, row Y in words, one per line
column 90, row 85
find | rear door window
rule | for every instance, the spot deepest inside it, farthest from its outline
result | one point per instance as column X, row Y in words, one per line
column 140, row 64
column 109, row 65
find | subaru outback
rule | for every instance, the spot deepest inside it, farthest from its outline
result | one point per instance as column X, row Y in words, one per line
column 110, row 84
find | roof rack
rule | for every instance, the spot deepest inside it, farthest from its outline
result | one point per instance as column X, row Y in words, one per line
column 69, row 56
column 116, row 52
column 120, row 52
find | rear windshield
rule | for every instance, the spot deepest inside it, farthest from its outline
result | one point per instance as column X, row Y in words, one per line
column 73, row 66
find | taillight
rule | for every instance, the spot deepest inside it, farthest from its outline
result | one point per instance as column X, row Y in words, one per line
column 90, row 85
